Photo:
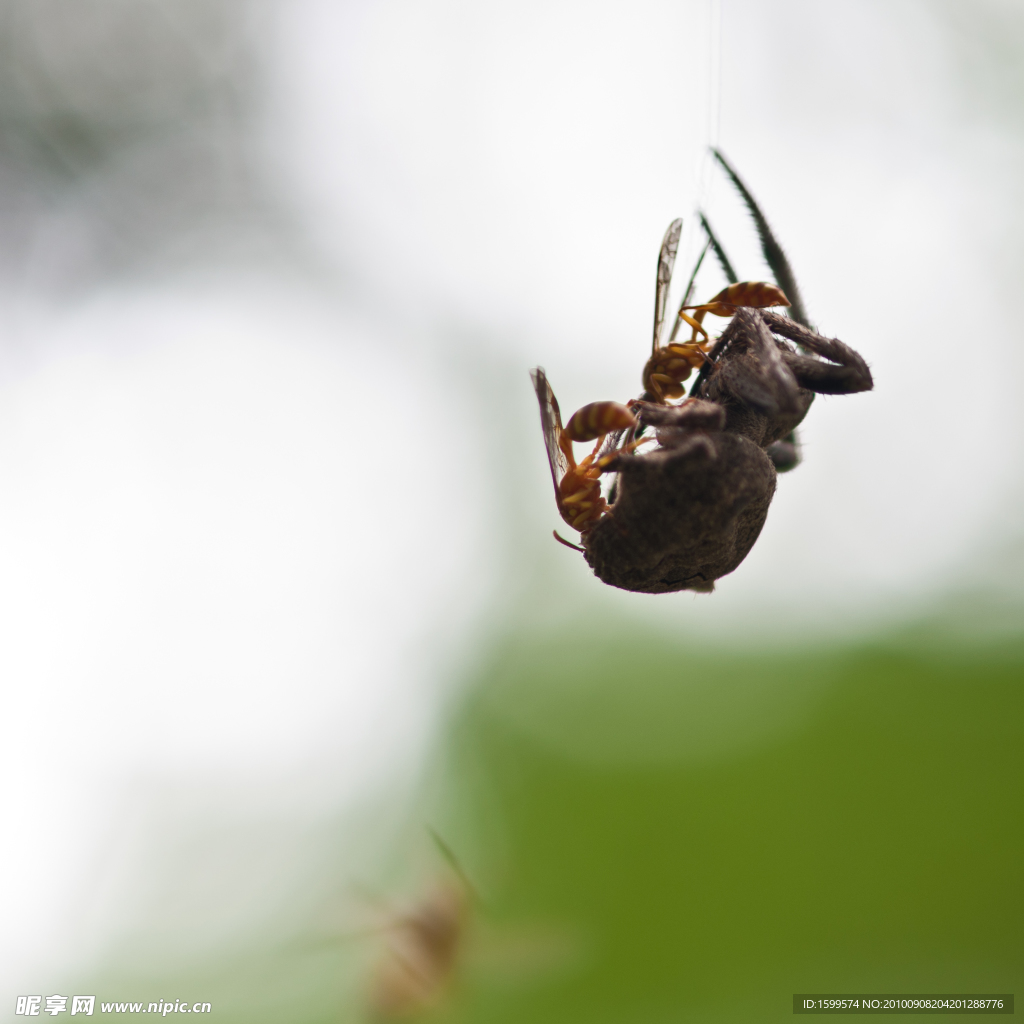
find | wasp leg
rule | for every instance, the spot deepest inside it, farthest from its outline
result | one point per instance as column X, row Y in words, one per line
column 657, row 382
column 698, row 322
column 578, row 498
column 567, row 543
column 688, row 293
column 696, row 325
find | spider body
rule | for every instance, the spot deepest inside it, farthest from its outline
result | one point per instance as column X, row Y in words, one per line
column 689, row 512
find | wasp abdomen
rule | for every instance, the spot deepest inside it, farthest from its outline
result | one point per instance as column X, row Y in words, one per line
column 665, row 371
column 598, row 418
column 759, row 294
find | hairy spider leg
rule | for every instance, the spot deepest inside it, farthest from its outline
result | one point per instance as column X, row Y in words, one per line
column 723, row 261
column 774, row 254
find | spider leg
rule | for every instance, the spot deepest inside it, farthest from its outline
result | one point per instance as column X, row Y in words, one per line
column 785, row 453
column 685, row 427
column 773, row 252
column 845, row 373
column 695, row 415
column 723, row 260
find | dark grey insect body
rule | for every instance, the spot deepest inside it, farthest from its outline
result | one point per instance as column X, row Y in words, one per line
column 685, row 514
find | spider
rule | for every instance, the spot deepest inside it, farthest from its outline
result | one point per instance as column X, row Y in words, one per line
column 687, row 513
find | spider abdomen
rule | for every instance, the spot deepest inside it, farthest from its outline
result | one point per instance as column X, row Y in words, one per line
column 683, row 516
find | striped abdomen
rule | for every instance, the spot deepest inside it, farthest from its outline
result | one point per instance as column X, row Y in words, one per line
column 598, row 418
column 580, row 502
column 666, row 370
column 759, row 294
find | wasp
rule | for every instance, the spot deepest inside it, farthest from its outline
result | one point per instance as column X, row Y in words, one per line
column 418, row 964
column 578, row 485
column 671, row 364
column 686, row 513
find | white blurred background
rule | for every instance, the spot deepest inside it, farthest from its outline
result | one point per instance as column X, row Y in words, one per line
column 273, row 275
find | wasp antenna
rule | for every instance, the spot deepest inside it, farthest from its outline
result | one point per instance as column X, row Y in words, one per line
column 773, row 252
column 453, row 862
column 715, row 244
column 568, row 544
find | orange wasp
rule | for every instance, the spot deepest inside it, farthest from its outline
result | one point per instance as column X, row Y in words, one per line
column 758, row 294
column 578, row 485
column 671, row 364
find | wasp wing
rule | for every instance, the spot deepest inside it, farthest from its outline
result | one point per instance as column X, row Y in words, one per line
column 666, row 262
column 551, row 424
column 688, row 294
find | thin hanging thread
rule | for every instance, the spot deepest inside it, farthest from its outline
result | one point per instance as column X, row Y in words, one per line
column 694, row 239
column 713, row 113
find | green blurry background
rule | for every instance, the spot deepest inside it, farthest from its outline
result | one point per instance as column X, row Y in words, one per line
column 662, row 830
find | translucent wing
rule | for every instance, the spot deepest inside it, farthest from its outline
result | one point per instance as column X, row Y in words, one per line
column 551, row 424
column 666, row 261
column 773, row 252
